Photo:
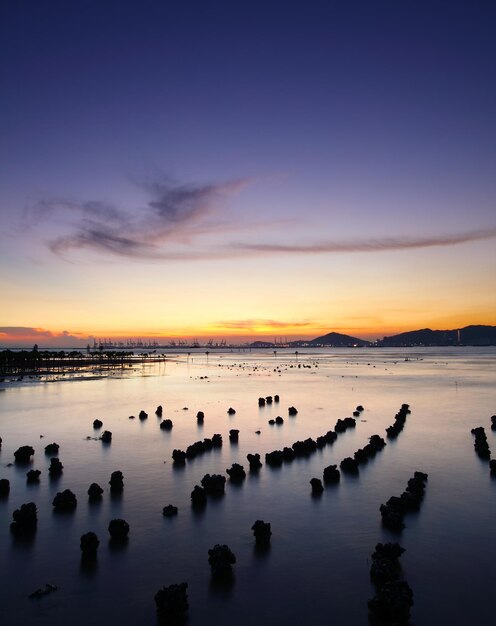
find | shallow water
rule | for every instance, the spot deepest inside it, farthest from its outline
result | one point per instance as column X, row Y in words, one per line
column 317, row 568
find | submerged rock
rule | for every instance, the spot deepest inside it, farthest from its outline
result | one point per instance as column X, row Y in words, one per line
column 65, row 501
column 89, row 543
column 95, row 491
column 118, row 529
column 214, row 484
column 198, row 497
column 393, row 602
column 221, row 560
column 4, row 487
column 33, row 476
column 166, row 424
column 97, row 424
column 159, row 410
column 317, row 487
column 349, row 465
column 216, row 440
column 56, row 467
column 52, row 448
column 254, row 461
column 233, row 435
column 331, row 474
column 292, row 411
column 179, row 457
column 172, row 603
column 106, row 436
column 200, row 416
column 25, row 519
column 116, row 481
column 169, row 510
column 236, row 472
column 262, row 532
column 23, row 454
column 143, row 415
column 231, row 411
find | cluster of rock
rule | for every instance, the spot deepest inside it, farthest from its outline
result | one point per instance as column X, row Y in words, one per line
column 198, row 448
column 362, row 455
column 397, row 507
column 279, row 421
column 480, row 444
column 394, row 597
column 268, row 400
column 399, row 422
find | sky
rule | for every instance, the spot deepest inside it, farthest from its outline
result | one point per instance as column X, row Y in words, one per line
column 245, row 169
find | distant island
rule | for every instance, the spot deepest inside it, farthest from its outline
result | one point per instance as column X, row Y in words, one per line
column 467, row 336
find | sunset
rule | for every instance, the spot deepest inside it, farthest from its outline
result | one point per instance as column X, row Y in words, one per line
column 248, row 312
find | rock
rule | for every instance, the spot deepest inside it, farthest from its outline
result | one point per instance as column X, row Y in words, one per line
column 349, row 465
column 359, row 408
column 65, row 501
column 118, row 529
column 106, row 436
column 179, row 457
column 195, row 449
column 236, row 472
column 216, row 441
column 261, row 402
column 25, row 519
column 52, row 448
column 233, row 435
column 198, row 497
column 262, row 532
column 166, row 424
column 95, row 492
column 116, row 481
column 331, row 474
column 317, row 487
column 279, row 420
column 331, row 436
column 169, row 511
column 214, row 484
column 385, row 566
column 274, row 458
column 200, row 416
column 254, row 461
column 4, row 487
column 159, row 410
column 89, row 543
column 321, row 442
column 39, row 593
column 268, row 399
column 288, row 454
column 56, row 467
column 276, row 398
column 97, row 424
column 292, row 411
column 23, row 454
column 492, row 466
column 392, row 602
column 272, row 422
column 33, row 476
column 221, row 560
column 143, row 415
column 207, row 444
column 231, row 411
column 172, row 603
column 356, row 413
column 361, row 456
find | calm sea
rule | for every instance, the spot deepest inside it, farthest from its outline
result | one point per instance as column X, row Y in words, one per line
column 317, row 569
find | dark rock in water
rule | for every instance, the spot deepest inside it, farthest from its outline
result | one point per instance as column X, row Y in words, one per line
column 343, row 424
column 331, row 436
column 4, row 487
column 217, row 440
column 95, row 492
column 257, row 432
column 221, row 560
column 492, row 466
column 214, row 484
column 52, row 448
column 331, row 474
column 233, row 434
column 169, row 511
column 321, row 442
column 254, row 461
column 198, row 497
column 274, row 458
column 65, row 501
column 118, row 529
column 97, row 424
column 106, row 436
column 392, row 517
column 236, row 472
column 39, row 593
column 159, row 410
column 166, row 424
column 276, row 398
column 377, row 442
column 392, row 602
column 172, row 603
column 385, row 566
column 132, row 417
column 349, row 465
column 304, row 448
column 317, row 487
column 279, row 420
column 116, row 481
column 292, row 411
column 200, row 416
column 179, row 457
column 356, row 413
column 25, row 519
column 261, row 402
column 23, row 454
column 262, row 532
column 288, row 454
column 361, row 456
column 195, row 449
column 359, row 408
column 33, row 476
column 89, row 543
column 208, row 444
column 268, row 399
column 143, row 415
column 56, row 467
column 231, row 411
column 272, row 422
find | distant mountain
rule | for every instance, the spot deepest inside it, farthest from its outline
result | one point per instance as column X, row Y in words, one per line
column 338, row 341
column 468, row 336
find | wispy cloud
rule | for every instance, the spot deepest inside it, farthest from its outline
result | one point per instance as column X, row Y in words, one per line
column 257, row 324
column 176, row 220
